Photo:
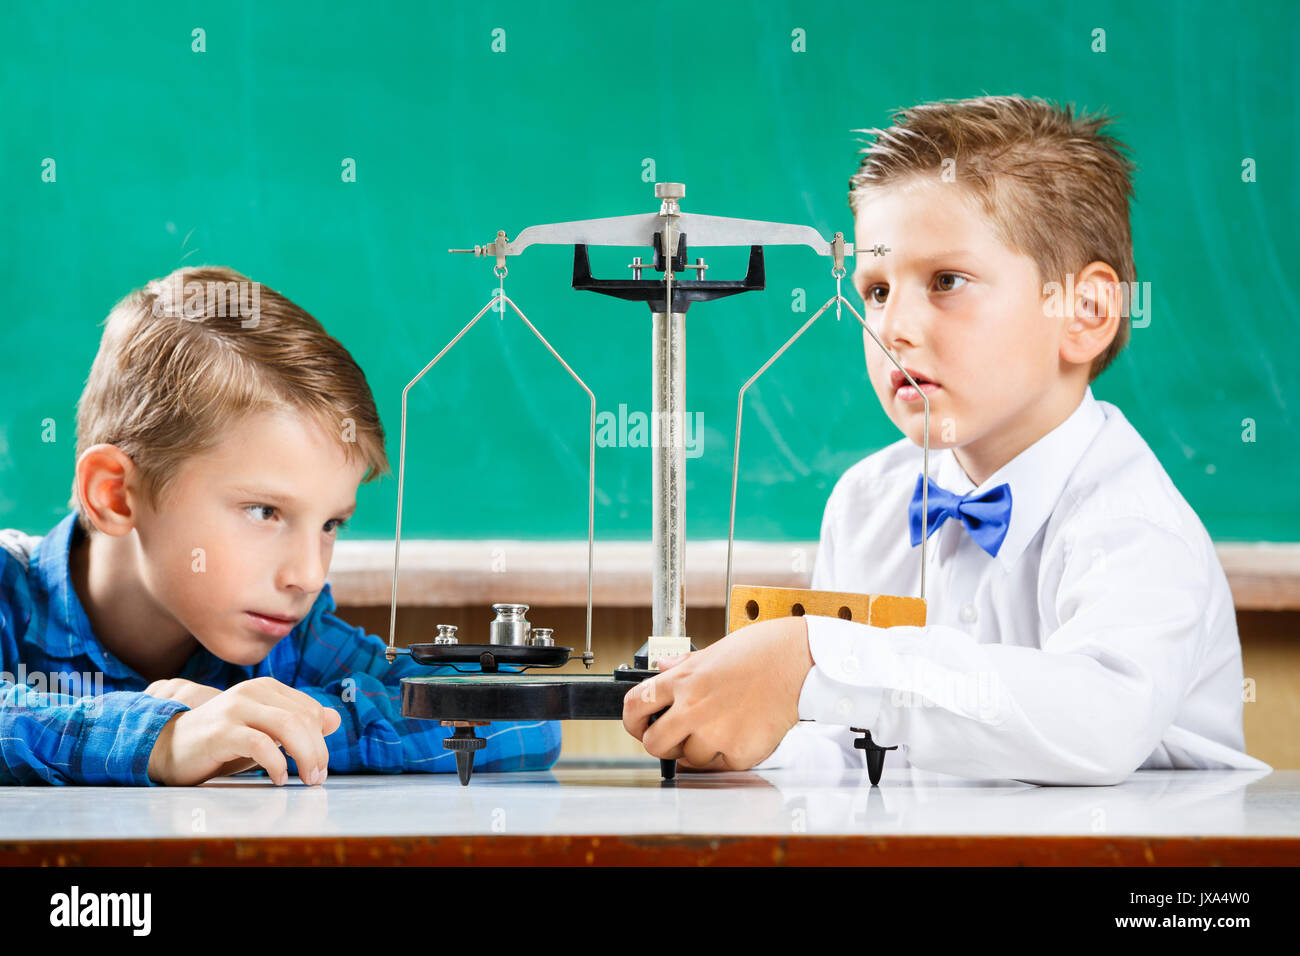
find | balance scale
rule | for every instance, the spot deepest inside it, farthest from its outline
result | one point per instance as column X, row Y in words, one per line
column 491, row 683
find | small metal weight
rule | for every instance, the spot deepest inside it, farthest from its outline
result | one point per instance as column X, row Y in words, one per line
column 509, row 627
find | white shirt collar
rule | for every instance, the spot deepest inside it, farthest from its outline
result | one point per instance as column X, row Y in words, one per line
column 1037, row 475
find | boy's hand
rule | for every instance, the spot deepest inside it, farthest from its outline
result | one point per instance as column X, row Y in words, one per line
column 192, row 694
column 186, row 691
column 243, row 727
column 730, row 704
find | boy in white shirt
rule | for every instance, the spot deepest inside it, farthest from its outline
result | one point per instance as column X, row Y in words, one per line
column 1079, row 625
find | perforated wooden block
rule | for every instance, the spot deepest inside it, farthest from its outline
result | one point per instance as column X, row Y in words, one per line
column 750, row 603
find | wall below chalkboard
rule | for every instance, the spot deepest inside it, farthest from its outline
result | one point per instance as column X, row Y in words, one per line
column 1262, row 577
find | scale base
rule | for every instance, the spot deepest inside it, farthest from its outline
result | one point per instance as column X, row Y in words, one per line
column 472, row 700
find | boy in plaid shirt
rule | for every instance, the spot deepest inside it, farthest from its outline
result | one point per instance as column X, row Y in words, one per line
column 177, row 625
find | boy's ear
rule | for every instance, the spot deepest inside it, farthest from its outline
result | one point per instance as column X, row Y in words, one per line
column 1093, row 315
column 104, row 474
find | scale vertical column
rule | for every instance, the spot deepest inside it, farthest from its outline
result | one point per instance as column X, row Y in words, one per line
column 668, row 474
column 668, row 469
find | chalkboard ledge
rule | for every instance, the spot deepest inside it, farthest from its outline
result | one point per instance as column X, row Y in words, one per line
column 1263, row 576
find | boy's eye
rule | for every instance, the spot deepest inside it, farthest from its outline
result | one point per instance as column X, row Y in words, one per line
column 334, row 524
column 944, row 282
column 259, row 508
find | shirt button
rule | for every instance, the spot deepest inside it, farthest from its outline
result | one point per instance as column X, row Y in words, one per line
column 843, row 706
column 968, row 613
column 850, row 665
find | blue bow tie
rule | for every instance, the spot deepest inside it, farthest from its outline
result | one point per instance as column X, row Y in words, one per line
column 986, row 516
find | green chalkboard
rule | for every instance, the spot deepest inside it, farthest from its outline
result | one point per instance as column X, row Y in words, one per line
column 233, row 156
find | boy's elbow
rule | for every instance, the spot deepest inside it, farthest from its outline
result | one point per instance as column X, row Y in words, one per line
column 1106, row 761
column 1106, row 774
column 1120, row 756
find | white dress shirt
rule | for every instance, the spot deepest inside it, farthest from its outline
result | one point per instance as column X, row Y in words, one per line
column 1100, row 640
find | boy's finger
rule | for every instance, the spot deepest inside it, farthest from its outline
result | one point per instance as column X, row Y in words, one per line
column 642, row 700
column 237, row 765
column 257, row 746
column 332, row 720
column 278, row 694
column 702, row 755
column 665, row 737
column 296, row 733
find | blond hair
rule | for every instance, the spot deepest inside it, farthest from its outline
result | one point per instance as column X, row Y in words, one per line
column 1053, row 185
column 191, row 354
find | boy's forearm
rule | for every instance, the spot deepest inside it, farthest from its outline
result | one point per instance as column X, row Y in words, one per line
column 991, row 710
column 89, row 740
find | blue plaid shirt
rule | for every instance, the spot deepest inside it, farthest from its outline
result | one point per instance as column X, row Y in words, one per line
column 72, row 713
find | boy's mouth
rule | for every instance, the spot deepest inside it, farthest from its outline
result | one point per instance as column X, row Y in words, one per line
column 274, row 625
column 904, row 390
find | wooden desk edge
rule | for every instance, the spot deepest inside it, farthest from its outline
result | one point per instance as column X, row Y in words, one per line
column 662, row 850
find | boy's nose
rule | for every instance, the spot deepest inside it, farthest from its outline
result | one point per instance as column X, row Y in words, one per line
column 305, row 569
column 897, row 325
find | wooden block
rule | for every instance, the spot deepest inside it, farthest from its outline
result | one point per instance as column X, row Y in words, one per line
column 889, row 610
column 751, row 603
